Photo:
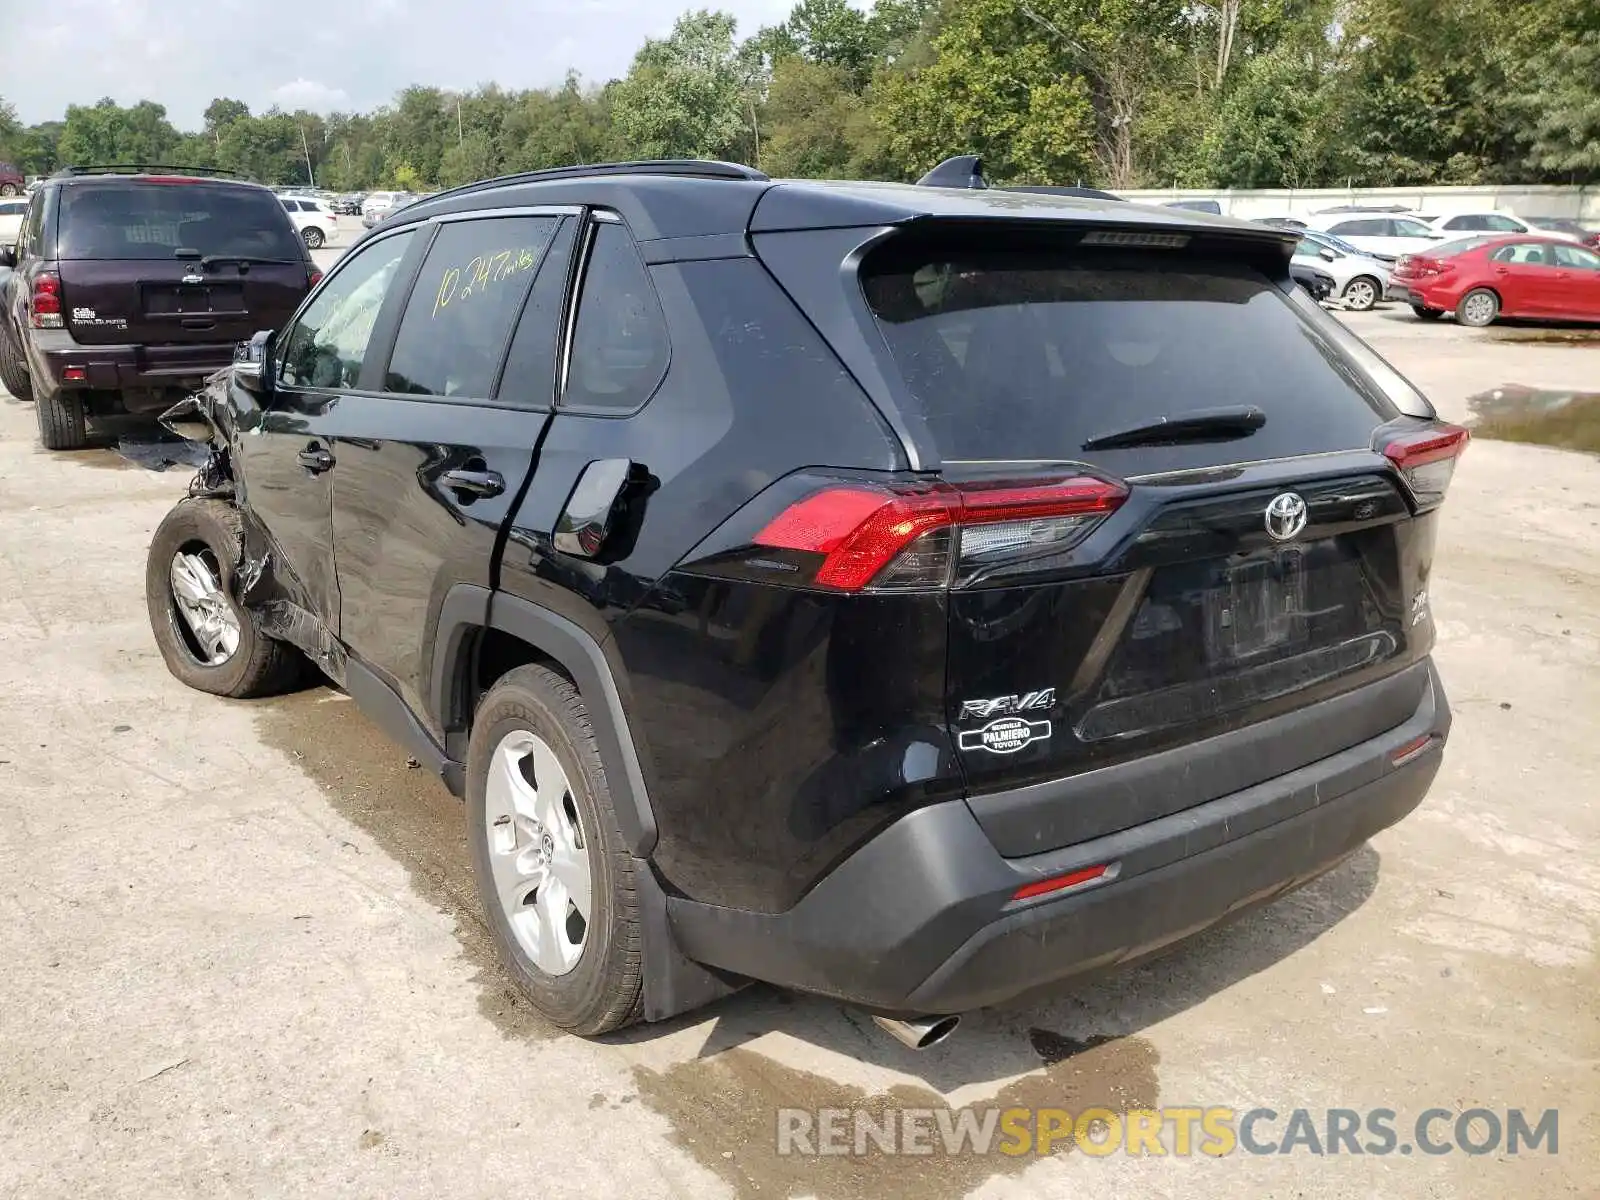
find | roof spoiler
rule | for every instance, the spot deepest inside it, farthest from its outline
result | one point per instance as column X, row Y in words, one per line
column 962, row 171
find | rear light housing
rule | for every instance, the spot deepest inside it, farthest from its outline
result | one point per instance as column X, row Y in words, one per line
column 313, row 277
column 866, row 537
column 1426, row 459
column 45, row 302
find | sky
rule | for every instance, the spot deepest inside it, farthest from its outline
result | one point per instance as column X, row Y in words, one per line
column 324, row 55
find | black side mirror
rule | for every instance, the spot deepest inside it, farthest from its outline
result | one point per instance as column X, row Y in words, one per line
column 252, row 362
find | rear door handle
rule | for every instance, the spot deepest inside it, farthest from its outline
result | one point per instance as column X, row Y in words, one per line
column 315, row 459
column 474, row 483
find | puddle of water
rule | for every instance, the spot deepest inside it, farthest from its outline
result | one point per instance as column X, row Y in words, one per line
column 1542, row 416
column 412, row 817
column 723, row 1111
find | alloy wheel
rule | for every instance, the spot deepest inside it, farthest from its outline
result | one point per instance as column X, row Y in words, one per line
column 537, row 852
column 212, row 623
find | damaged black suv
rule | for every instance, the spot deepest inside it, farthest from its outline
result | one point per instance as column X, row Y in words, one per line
column 902, row 594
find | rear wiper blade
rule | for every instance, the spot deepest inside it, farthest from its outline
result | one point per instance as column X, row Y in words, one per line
column 1203, row 424
column 212, row 259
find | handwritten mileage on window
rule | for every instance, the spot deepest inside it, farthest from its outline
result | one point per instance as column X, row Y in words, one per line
column 461, row 284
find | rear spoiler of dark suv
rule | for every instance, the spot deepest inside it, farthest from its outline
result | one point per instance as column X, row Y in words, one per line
column 142, row 169
column 966, row 171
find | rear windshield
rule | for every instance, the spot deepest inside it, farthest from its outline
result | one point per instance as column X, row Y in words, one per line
column 155, row 220
column 1027, row 356
column 1459, row 246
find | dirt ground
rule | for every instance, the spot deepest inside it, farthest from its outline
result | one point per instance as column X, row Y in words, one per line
column 242, row 952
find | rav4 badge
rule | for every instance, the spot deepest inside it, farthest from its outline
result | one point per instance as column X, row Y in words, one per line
column 1005, row 736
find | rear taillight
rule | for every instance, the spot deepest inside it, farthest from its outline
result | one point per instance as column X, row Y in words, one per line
column 1426, row 460
column 46, row 301
column 314, row 277
column 932, row 535
column 1419, row 267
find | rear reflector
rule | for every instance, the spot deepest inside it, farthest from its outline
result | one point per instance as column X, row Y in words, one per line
column 1427, row 459
column 314, row 278
column 916, row 537
column 74, row 375
column 1410, row 750
column 1104, row 873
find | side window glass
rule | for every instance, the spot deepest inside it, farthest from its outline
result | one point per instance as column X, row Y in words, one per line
column 529, row 379
column 30, row 226
column 619, row 341
column 461, row 310
column 1578, row 257
column 326, row 346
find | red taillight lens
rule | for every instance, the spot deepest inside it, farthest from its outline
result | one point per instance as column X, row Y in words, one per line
column 913, row 537
column 46, row 301
column 1426, row 460
column 314, row 278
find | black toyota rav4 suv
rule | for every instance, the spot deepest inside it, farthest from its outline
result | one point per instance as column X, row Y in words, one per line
column 129, row 285
column 905, row 595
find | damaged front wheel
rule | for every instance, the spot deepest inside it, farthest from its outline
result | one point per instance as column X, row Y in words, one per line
column 207, row 640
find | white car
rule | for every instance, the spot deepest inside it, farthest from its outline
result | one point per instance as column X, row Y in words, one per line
column 1459, row 225
column 11, row 214
column 312, row 218
column 1383, row 235
column 1360, row 280
column 378, row 204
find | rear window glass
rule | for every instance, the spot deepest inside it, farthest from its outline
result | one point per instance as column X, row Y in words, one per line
column 1457, row 246
column 155, row 220
column 1028, row 356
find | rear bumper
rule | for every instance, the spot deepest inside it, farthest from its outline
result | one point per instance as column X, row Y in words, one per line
column 183, row 366
column 921, row 918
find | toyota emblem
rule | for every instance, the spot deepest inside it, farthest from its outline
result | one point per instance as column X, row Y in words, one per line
column 1286, row 517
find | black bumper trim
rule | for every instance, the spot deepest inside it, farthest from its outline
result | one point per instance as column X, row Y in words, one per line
column 920, row 918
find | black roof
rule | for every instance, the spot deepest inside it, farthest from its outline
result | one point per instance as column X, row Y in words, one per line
column 664, row 200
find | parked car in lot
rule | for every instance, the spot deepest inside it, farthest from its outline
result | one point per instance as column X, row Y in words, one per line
column 1359, row 279
column 1568, row 228
column 1383, row 237
column 12, row 181
column 715, row 536
column 11, row 214
column 348, row 205
column 1310, row 275
column 379, row 204
column 1465, row 224
column 315, row 223
column 1483, row 279
column 128, row 288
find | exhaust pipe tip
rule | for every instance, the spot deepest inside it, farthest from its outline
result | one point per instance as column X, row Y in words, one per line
column 918, row 1032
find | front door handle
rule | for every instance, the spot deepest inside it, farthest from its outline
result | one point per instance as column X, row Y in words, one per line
column 315, row 459
column 474, row 483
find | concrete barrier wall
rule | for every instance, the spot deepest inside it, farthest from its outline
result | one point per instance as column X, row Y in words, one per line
column 1528, row 201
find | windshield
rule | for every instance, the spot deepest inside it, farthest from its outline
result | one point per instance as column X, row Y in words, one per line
column 1334, row 243
column 155, row 220
column 1027, row 356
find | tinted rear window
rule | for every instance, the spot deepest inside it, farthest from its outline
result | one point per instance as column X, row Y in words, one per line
column 154, row 220
column 1027, row 356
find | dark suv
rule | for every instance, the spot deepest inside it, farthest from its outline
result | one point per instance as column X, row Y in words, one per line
column 905, row 595
column 129, row 287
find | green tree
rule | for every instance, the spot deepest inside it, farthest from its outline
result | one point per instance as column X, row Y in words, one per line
column 1271, row 129
column 1560, row 108
column 108, row 133
column 685, row 95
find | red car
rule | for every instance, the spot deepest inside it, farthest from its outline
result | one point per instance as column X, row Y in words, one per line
column 1482, row 279
column 12, row 181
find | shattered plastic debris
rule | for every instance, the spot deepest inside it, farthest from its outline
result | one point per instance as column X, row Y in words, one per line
column 154, row 455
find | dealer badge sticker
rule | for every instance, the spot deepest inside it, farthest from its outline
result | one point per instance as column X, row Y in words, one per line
column 1006, row 735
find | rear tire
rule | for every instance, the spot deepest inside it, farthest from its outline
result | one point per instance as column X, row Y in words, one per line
column 1478, row 308
column 539, row 815
column 9, row 189
column 61, row 421
column 1427, row 314
column 211, row 533
column 13, row 368
column 314, row 238
column 1361, row 293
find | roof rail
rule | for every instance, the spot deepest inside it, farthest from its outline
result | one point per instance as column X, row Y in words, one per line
column 962, row 171
column 698, row 168
column 142, row 169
